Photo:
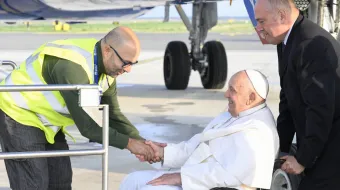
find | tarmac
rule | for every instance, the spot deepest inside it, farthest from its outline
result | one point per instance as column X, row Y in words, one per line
column 159, row 114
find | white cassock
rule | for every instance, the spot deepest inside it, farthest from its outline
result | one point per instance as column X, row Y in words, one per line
column 236, row 152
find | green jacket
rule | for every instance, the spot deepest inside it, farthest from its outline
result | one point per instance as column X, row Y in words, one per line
column 61, row 71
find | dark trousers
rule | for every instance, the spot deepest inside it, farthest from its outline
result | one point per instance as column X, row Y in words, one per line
column 34, row 173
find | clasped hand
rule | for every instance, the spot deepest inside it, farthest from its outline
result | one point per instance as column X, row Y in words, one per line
column 157, row 156
column 147, row 150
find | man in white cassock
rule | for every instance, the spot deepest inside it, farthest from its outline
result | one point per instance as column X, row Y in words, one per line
column 236, row 150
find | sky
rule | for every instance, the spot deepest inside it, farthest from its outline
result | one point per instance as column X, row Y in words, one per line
column 237, row 9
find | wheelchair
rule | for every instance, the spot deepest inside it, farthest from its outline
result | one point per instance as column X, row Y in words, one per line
column 280, row 180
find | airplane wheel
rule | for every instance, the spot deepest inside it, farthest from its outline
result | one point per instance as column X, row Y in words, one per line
column 177, row 66
column 214, row 75
column 284, row 181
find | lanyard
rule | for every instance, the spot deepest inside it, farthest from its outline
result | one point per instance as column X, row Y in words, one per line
column 96, row 78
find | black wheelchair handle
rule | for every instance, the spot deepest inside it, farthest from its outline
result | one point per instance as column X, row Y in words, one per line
column 278, row 163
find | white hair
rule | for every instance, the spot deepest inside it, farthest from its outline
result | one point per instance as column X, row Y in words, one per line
column 282, row 5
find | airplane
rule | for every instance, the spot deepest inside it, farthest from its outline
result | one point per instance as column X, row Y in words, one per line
column 179, row 60
column 74, row 10
column 208, row 58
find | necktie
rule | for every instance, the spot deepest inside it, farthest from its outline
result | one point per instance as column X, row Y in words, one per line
column 283, row 48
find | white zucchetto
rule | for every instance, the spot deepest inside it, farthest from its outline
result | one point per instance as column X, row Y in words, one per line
column 259, row 82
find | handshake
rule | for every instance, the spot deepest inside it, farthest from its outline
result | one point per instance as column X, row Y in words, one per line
column 149, row 151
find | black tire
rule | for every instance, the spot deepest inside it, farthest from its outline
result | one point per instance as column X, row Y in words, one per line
column 176, row 66
column 215, row 75
column 280, row 177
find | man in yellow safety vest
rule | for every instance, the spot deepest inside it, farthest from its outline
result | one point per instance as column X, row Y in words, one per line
column 37, row 121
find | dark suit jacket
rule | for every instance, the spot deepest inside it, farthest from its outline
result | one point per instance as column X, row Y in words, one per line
column 310, row 101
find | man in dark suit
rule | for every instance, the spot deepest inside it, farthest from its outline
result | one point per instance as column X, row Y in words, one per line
column 309, row 59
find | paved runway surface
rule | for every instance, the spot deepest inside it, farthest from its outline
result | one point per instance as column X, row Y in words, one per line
column 154, row 42
column 159, row 114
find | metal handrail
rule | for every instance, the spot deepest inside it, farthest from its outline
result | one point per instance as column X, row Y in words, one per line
column 8, row 62
column 50, row 87
column 105, row 126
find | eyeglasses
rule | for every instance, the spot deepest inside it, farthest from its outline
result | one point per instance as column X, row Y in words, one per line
column 125, row 63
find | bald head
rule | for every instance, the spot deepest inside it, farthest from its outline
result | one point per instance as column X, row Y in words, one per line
column 124, row 40
column 242, row 94
column 120, row 49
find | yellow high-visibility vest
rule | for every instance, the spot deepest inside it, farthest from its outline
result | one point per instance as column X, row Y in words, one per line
column 47, row 110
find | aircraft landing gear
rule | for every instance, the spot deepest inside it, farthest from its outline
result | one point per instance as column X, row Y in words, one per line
column 210, row 61
column 214, row 72
column 177, row 67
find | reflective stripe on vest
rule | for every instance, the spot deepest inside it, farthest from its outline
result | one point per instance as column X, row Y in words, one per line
column 47, row 109
column 76, row 55
column 50, row 97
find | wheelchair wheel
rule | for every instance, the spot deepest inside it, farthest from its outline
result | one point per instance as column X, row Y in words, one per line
column 282, row 180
